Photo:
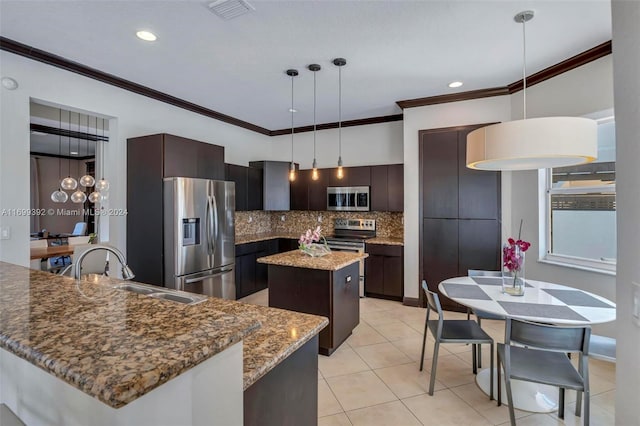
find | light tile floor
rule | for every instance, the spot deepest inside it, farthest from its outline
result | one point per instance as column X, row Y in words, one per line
column 374, row 378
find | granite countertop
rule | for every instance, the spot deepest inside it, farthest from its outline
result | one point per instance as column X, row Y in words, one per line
column 390, row 241
column 263, row 236
column 116, row 345
column 282, row 333
column 331, row 262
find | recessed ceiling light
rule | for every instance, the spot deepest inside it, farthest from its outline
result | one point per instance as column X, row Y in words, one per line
column 293, row 110
column 74, row 152
column 455, row 84
column 146, row 35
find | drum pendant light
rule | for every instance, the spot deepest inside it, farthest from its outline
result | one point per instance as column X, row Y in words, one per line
column 314, row 172
column 59, row 196
column 340, row 62
column 292, row 167
column 534, row 143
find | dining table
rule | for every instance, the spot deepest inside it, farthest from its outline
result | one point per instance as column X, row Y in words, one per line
column 544, row 302
column 51, row 251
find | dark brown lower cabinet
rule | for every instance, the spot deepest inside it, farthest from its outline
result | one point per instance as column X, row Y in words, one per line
column 332, row 294
column 252, row 276
column 384, row 271
column 288, row 394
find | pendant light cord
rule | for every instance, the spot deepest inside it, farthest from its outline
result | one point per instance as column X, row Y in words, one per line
column 314, row 119
column 60, row 152
column 340, row 112
column 524, row 69
column 292, row 119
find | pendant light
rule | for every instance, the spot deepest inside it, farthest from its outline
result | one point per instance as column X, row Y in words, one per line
column 340, row 62
column 102, row 185
column 292, row 167
column 87, row 180
column 59, row 196
column 314, row 171
column 69, row 183
column 78, row 196
column 534, row 143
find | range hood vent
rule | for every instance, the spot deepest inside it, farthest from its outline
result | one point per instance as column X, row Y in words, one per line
column 229, row 9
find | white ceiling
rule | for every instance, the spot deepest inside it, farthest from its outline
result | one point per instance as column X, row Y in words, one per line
column 395, row 50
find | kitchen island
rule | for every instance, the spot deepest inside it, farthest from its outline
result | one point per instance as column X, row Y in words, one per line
column 326, row 286
column 109, row 356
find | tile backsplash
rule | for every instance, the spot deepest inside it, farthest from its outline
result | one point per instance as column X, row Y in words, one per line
column 388, row 224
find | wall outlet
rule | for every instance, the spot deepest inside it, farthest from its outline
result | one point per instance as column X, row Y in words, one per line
column 250, row 219
column 320, row 219
column 282, row 218
column 5, row 232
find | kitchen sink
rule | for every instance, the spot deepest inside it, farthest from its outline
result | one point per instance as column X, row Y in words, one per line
column 161, row 293
column 180, row 298
column 140, row 289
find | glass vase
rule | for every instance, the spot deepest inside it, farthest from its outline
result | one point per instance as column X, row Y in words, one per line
column 513, row 281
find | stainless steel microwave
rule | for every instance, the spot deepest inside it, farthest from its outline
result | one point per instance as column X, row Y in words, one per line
column 348, row 198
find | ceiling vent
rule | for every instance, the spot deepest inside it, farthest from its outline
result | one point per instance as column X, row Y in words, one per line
column 229, row 9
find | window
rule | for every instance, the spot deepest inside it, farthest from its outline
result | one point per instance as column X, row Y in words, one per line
column 580, row 209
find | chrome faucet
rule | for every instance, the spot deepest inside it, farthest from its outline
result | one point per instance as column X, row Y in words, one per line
column 127, row 273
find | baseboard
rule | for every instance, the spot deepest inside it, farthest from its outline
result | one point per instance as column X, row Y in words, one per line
column 411, row 301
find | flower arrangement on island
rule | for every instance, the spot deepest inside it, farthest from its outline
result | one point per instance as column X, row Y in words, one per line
column 307, row 240
column 513, row 257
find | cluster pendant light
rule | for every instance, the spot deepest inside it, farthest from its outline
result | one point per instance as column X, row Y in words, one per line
column 314, row 171
column 292, row 167
column 340, row 62
column 535, row 143
column 69, row 183
column 102, row 185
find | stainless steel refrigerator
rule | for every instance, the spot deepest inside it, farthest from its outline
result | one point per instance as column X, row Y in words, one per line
column 199, row 236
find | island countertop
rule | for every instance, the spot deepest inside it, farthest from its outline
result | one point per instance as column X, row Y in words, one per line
column 116, row 345
column 331, row 262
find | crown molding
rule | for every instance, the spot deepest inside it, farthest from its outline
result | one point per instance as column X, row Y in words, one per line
column 39, row 55
column 580, row 59
column 30, row 52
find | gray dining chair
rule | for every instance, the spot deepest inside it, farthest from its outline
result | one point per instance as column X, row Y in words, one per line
column 451, row 331
column 479, row 314
column 543, row 359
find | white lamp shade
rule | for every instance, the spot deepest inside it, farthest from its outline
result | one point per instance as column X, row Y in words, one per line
column 534, row 143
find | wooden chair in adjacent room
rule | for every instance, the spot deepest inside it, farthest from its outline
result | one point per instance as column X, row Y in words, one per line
column 451, row 331
column 542, row 358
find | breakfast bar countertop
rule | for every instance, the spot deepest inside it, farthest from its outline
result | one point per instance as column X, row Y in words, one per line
column 116, row 345
column 333, row 261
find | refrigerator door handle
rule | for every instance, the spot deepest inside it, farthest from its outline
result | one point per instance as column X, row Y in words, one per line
column 215, row 212
column 210, row 240
column 205, row 277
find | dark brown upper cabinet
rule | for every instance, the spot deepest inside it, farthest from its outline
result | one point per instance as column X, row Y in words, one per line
column 300, row 190
column 248, row 182
column 317, row 190
column 358, row 176
column 387, row 188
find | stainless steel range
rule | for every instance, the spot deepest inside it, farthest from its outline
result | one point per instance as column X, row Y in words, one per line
column 350, row 235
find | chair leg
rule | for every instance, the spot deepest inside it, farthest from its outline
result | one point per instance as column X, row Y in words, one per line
column 498, row 368
column 507, row 383
column 587, row 407
column 479, row 346
column 490, row 373
column 561, row 403
column 578, row 403
column 424, row 341
column 474, row 349
column 434, row 365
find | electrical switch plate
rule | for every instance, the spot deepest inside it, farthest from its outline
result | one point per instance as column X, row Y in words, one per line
column 250, row 219
column 5, row 232
column 635, row 308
